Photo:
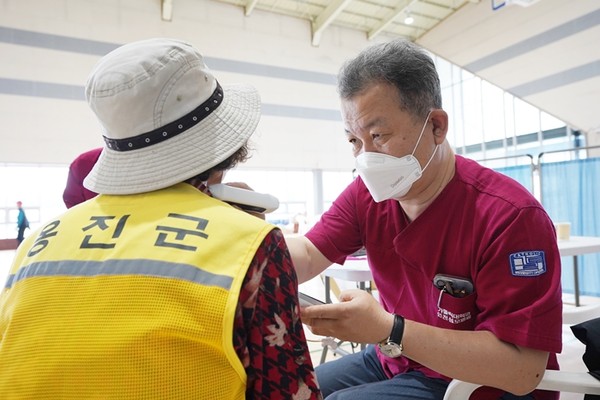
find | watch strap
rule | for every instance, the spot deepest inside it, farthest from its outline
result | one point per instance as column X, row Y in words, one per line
column 397, row 330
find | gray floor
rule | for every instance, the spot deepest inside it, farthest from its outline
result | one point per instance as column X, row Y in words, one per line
column 570, row 358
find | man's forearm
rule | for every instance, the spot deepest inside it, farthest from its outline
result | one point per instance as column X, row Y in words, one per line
column 475, row 356
column 308, row 261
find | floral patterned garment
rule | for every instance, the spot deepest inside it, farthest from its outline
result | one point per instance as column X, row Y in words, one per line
column 268, row 334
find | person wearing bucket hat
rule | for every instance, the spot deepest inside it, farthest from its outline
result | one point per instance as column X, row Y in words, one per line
column 153, row 289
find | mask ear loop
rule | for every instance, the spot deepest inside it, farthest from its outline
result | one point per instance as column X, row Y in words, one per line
column 431, row 158
column 421, row 134
column 419, row 140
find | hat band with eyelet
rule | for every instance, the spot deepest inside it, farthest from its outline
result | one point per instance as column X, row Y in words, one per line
column 170, row 130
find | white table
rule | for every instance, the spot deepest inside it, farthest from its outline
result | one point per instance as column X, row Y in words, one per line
column 576, row 246
column 355, row 269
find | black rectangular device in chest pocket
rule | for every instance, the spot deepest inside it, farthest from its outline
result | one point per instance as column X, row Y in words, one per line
column 453, row 285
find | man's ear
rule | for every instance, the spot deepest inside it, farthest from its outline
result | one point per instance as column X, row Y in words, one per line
column 439, row 118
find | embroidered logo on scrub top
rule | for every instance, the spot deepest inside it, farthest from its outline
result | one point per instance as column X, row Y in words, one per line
column 528, row 263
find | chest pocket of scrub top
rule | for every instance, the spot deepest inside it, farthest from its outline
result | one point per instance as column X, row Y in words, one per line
column 453, row 312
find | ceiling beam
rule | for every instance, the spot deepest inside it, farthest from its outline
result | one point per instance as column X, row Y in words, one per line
column 249, row 7
column 167, row 10
column 400, row 8
column 326, row 18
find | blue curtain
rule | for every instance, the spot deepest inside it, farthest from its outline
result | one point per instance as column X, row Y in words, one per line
column 570, row 191
column 520, row 173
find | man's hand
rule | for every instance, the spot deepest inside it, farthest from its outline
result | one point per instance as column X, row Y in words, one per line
column 465, row 355
column 358, row 317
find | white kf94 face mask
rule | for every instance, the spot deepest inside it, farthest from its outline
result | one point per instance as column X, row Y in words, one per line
column 389, row 177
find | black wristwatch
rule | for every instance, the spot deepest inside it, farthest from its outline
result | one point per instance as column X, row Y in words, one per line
column 392, row 346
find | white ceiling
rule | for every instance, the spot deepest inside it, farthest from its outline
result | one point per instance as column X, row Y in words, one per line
column 545, row 52
column 370, row 16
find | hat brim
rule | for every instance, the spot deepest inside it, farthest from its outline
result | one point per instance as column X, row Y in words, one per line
column 181, row 157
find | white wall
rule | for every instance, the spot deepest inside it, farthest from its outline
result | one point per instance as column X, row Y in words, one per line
column 48, row 47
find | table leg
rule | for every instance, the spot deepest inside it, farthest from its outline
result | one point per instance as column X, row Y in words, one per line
column 576, row 279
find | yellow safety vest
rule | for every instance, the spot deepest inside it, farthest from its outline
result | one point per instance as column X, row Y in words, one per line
column 129, row 297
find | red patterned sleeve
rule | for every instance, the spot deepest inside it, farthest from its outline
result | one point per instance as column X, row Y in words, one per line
column 268, row 334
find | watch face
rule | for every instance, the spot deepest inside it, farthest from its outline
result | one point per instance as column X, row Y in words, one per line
column 391, row 349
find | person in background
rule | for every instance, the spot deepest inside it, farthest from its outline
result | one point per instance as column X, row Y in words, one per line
column 465, row 259
column 154, row 289
column 75, row 192
column 22, row 222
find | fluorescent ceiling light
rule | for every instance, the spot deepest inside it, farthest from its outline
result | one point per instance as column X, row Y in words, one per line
column 167, row 10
